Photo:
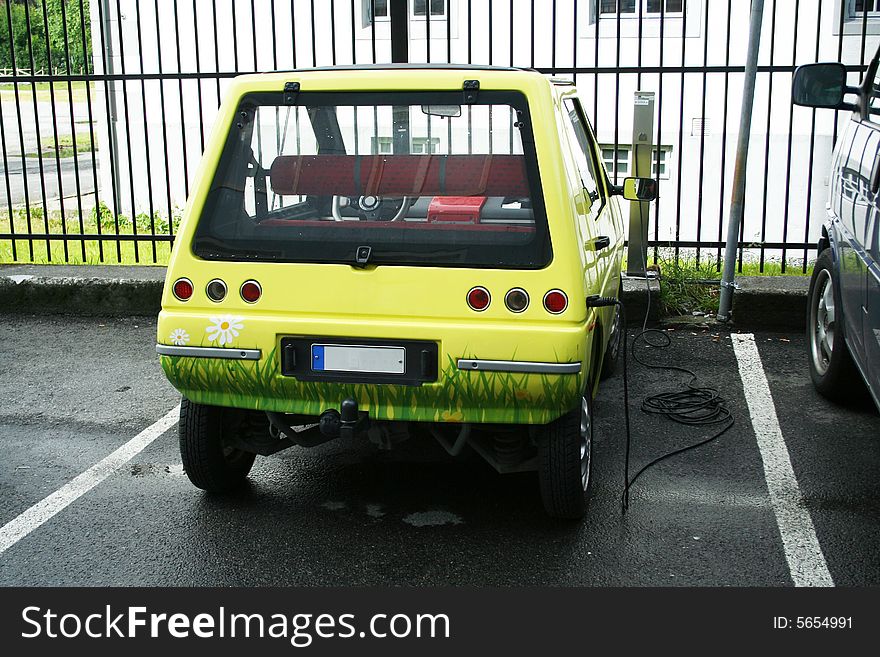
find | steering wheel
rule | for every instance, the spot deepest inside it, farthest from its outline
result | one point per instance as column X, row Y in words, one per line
column 369, row 207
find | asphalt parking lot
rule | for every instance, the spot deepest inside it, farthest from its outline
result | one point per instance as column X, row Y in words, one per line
column 729, row 514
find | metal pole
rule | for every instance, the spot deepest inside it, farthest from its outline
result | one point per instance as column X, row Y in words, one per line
column 742, row 155
column 398, row 12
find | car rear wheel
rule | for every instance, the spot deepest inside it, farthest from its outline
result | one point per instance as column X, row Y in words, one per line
column 612, row 350
column 210, row 459
column 831, row 365
column 565, row 462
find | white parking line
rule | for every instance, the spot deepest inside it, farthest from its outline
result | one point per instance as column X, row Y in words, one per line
column 802, row 552
column 23, row 524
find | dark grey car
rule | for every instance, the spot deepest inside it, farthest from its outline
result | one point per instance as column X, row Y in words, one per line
column 843, row 315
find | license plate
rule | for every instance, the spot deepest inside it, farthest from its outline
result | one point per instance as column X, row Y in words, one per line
column 354, row 358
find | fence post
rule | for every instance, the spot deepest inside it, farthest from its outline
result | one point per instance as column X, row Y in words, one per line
column 112, row 113
column 642, row 156
column 737, row 201
column 398, row 12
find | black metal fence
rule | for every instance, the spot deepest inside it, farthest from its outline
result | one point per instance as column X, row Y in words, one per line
column 99, row 155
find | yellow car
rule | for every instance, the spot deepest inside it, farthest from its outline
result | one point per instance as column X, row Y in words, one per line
column 367, row 248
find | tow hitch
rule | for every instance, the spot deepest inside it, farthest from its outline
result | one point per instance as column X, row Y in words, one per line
column 345, row 423
column 331, row 424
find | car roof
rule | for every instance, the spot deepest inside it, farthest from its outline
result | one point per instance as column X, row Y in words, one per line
column 410, row 76
column 405, row 67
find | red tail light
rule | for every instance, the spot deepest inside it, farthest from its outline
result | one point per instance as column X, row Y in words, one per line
column 478, row 298
column 182, row 289
column 555, row 301
column 251, row 291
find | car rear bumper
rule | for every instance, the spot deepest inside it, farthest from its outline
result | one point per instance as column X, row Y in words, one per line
column 540, row 378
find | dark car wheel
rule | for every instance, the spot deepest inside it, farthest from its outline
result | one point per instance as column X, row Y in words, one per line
column 831, row 365
column 210, row 460
column 612, row 351
column 565, row 451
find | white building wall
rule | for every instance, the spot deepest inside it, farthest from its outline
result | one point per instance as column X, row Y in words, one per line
column 161, row 136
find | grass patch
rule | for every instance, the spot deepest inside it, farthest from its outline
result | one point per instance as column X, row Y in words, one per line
column 65, row 146
column 687, row 287
column 501, row 397
column 87, row 251
column 78, row 92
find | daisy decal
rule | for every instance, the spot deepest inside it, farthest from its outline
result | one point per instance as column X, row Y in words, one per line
column 179, row 337
column 224, row 328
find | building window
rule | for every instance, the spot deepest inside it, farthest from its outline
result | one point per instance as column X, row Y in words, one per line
column 632, row 8
column 622, row 160
column 382, row 145
column 377, row 9
column 418, row 146
column 425, row 145
column 417, row 9
column 860, row 8
column 438, row 8
column 856, row 17
column 659, row 161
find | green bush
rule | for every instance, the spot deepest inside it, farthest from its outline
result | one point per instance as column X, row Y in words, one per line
column 45, row 43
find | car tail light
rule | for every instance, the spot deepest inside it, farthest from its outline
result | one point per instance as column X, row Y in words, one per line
column 182, row 289
column 251, row 291
column 516, row 300
column 216, row 290
column 479, row 298
column 555, row 301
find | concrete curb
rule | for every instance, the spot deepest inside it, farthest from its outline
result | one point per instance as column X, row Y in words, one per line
column 81, row 290
column 778, row 302
column 771, row 302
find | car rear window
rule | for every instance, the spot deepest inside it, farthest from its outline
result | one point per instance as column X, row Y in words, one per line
column 378, row 179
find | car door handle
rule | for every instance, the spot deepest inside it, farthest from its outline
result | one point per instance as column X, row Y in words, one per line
column 601, row 242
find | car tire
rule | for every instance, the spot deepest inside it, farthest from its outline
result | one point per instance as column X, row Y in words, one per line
column 611, row 358
column 831, row 366
column 565, row 462
column 209, row 459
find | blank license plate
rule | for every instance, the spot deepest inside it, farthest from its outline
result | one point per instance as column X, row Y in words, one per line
column 352, row 358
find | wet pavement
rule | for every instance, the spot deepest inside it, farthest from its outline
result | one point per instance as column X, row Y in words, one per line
column 347, row 514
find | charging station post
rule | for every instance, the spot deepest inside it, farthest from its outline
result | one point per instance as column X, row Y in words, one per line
column 642, row 152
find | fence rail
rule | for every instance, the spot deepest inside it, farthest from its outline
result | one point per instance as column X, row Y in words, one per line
column 97, row 165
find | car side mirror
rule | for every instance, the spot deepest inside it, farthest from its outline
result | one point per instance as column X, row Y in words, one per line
column 639, row 189
column 821, row 85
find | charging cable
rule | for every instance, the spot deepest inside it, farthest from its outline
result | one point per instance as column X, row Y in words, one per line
column 692, row 406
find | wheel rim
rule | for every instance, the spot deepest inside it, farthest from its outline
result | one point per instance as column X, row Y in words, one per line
column 822, row 322
column 586, row 442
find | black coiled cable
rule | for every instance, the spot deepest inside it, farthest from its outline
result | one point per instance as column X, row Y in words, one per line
column 692, row 406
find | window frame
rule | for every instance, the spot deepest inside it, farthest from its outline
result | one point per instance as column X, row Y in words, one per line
column 234, row 168
column 640, row 8
column 867, row 91
column 593, row 162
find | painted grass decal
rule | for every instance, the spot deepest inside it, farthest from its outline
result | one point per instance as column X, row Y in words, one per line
column 459, row 396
